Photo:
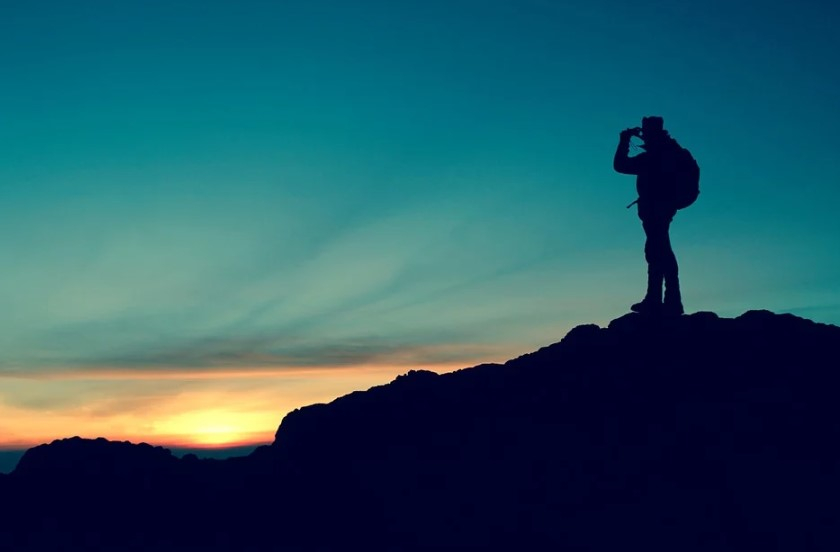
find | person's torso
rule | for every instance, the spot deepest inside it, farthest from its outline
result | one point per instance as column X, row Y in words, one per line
column 655, row 182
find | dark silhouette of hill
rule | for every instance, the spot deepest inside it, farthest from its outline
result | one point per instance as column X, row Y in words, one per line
column 689, row 433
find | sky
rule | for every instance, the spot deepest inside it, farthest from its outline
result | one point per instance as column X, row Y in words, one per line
column 214, row 212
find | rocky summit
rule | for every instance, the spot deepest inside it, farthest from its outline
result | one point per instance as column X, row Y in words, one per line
column 688, row 433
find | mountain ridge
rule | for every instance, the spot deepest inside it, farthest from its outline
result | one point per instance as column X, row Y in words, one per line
column 696, row 433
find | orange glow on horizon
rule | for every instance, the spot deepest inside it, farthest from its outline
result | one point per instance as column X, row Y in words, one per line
column 202, row 409
column 212, row 428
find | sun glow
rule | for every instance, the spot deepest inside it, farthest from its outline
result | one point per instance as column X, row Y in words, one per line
column 174, row 409
column 214, row 427
column 217, row 435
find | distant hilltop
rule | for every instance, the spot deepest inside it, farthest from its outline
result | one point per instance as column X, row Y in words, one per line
column 690, row 433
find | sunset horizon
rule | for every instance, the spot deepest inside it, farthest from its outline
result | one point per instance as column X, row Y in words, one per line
column 205, row 420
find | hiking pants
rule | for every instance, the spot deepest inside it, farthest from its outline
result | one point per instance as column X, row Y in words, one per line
column 662, row 263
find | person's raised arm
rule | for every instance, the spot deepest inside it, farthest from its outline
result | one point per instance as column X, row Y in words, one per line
column 622, row 162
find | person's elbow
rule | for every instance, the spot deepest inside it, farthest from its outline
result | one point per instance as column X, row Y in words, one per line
column 622, row 167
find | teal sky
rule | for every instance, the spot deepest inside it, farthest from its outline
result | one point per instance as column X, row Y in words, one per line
column 212, row 185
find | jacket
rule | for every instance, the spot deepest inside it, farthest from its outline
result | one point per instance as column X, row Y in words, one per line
column 653, row 169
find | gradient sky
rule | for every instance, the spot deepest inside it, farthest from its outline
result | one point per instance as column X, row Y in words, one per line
column 214, row 212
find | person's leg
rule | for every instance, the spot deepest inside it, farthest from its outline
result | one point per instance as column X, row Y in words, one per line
column 662, row 266
column 666, row 261
column 670, row 271
column 656, row 234
column 653, row 245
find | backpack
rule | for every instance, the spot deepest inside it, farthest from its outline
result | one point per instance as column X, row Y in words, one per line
column 686, row 179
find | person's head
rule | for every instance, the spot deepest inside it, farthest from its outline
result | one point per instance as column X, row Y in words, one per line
column 653, row 129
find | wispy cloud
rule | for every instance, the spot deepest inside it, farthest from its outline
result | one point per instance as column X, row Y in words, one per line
column 403, row 287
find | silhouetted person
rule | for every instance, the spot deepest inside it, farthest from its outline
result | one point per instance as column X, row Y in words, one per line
column 654, row 184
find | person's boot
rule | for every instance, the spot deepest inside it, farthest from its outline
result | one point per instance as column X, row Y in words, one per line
column 647, row 306
column 673, row 300
column 652, row 303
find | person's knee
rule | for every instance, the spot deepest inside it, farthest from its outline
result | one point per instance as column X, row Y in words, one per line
column 655, row 245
